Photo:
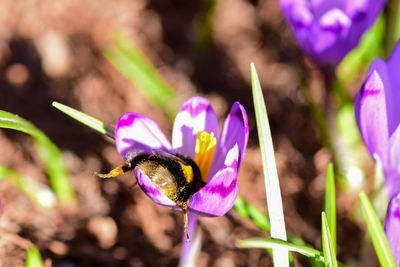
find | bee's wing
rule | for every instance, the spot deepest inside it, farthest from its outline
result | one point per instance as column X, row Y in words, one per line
column 167, row 156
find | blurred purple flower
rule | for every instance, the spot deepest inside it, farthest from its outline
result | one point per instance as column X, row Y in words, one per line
column 377, row 112
column 328, row 29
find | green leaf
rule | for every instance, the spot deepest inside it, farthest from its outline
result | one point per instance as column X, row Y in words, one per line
column 330, row 202
column 33, row 258
column 39, row 193
column 273, row 192
column 327, row 244
column 249, row 211
column 85, row 119
column 273, row 243
column 376, row 233
column 370, row 46
column 48, row 152
column 131, row 62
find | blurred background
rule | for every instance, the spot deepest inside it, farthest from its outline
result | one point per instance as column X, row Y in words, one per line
column 54, row 51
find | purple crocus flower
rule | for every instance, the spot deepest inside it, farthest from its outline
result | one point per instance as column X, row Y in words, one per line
column 378, row 117
column 328, row 29
column 195, row 135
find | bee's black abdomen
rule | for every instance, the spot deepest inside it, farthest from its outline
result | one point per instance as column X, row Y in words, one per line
column 197, row 182
column 183, row 189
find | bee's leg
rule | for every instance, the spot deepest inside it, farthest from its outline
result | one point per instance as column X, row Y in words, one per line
column 117, row 171
column 185, row 222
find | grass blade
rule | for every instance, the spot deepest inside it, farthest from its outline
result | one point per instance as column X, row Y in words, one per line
column 33, row 258
column 204, row 31
column 249, row 211
column 131, row 62
column 48, row 152
column 327, row 243
column 330, row 202
column 85, row 119
column 273, row 192
column 272, row 243
column 39, row 193
column 376, row 233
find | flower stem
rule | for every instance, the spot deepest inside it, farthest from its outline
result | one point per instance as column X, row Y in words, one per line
column 336, row 105
column 393, row 25
column 325, row 115
column 190, row 248
column 317, row 113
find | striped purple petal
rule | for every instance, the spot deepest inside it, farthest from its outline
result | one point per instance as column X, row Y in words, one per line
column 371, row 115
column 218, row 196
column 235, row 131
column 395, row 150
column 392, row 183
column 136, row 133
column 393, row 93
column 150, row 189
column 331, row 26
column 392, row 179
column 195, row 115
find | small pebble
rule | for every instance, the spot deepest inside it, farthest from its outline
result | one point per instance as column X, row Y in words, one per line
column 104, row 229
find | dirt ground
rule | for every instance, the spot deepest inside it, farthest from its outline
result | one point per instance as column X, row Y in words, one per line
column 52, row 51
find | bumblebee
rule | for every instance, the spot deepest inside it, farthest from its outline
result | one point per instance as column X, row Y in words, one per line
column 176, row 176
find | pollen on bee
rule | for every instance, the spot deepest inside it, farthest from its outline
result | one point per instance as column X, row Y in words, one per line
column 188, row 172
column 205, row 149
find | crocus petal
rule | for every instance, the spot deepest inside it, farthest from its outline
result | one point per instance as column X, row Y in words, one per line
column 355, row 8
column 333, row 25
column 370, row 107
column 136, row 133
column 392, row 227
column 235, row 131
column 320, row 7
column 302, row 17
column 195, row 115
column 150, row 189
column 392, row 174
column 219, row 194
column 393, row 66
column 392, row 183
column 394, row 143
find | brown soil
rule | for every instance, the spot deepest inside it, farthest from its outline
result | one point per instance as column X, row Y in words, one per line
column 52, row 50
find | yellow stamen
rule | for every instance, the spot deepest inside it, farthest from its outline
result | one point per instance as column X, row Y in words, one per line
column 205, row 149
